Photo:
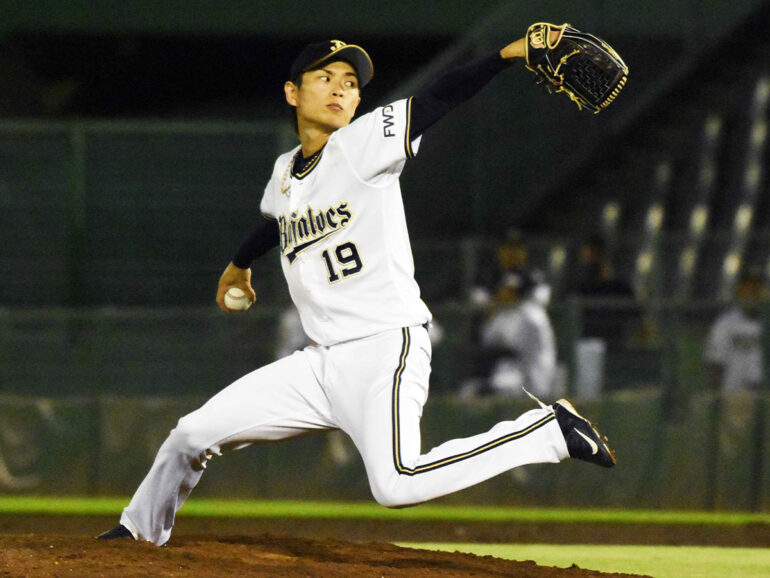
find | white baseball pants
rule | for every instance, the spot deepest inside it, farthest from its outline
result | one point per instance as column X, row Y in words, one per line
column 374, row 390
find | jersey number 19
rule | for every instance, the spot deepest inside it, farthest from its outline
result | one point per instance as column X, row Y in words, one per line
column 348, row 262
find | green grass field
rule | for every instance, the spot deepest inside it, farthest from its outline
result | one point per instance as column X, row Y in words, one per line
column 658, row 561
column 373, row 511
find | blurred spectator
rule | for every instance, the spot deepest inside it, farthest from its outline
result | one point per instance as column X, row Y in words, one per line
column 611, row 318
column 595, row 275
column 511, row 256
column 733, row 352
column 518, row 348
column 610, row 311
column 734, row 364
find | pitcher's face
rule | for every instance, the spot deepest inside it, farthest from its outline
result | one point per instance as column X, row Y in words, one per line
column 327, row 97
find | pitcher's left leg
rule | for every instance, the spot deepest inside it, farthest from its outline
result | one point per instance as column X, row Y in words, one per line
column 386, row 389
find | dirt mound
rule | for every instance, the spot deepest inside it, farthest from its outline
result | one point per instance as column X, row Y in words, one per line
column 265, row 555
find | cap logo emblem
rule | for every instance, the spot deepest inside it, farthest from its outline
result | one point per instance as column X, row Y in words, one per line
column 336, row 45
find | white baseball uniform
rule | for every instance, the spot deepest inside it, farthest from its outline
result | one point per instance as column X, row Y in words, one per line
column 734, row 342
column 346, row 256
column 526, row 330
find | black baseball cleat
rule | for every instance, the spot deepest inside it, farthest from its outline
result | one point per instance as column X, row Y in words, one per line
column 119, row 531
column 584, row 442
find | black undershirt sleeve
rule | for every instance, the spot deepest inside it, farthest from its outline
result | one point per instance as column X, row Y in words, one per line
column 453, row 88
column 263, row 237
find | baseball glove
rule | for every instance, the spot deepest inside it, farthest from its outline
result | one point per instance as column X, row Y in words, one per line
column 579, row 64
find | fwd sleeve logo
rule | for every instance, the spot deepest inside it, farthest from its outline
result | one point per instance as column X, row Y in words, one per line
column 387, row 121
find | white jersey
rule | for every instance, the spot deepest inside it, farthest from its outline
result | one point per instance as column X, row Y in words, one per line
column 526, row 330
column 734, row 342
column 344, row 244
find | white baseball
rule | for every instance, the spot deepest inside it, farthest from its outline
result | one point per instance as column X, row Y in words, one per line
column 236, row 299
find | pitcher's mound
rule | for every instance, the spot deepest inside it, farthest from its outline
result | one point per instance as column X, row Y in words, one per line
column 266, row 555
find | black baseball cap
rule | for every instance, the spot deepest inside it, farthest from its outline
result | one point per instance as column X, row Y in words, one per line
column 313, row 55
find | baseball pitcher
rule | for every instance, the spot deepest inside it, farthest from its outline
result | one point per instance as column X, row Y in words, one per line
column 334, row 209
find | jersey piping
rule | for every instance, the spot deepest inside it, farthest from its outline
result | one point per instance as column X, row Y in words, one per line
column 306, row 171
column 408, row 131
column 397, row 461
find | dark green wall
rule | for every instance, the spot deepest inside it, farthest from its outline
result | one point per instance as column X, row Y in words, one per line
column 282, row 18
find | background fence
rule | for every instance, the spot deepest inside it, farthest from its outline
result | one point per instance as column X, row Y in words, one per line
column 95, row 391
column 104, row 445
column 126, row 213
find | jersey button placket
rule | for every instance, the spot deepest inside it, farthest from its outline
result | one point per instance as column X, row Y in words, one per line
column 304, row 276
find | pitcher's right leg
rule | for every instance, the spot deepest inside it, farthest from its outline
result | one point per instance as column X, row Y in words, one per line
column 278, row 401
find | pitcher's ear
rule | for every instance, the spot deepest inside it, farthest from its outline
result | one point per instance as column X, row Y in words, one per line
column 290, row 90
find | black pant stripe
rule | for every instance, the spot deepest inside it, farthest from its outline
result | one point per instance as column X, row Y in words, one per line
column 400, row 468
column 395, row 404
